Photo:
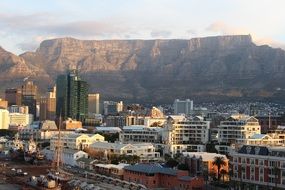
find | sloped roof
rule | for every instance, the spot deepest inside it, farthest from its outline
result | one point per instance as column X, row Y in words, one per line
column 151, row 169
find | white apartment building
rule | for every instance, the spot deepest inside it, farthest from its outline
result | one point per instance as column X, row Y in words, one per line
column 262, row 139
column 184, row 135
column 146, row 151
column 140, row 133
column 77, row 141
column 182, row 106
column 21, row 119
column 237, row 127
column 4, row 119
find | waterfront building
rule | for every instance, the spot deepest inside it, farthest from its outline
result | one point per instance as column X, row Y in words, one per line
column 261, row 167
column 154, row 176
column 146, row 151
column 77, row 141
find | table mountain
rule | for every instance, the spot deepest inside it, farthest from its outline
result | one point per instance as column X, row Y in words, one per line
column 158, row 70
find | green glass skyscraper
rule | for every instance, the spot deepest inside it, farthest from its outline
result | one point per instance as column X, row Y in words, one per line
column 71, row 96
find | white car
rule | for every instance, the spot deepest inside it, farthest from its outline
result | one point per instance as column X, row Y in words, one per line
column 13, row 169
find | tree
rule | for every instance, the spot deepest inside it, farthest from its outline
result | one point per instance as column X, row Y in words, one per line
column 223, row 173
column 171, row 163
column 219, row 161
column 182, row 167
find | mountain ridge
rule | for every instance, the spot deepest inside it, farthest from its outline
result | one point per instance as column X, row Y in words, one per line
column 161, row 70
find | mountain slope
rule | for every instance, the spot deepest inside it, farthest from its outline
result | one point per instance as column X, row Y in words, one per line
column 161, row 70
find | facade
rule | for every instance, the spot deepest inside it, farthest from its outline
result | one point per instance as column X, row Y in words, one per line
column 154, row 176
column 94, row 103
column 20, row 119
column 146, row 151
column 182, row 106
column 77, row 141
column 13, row 96
column 259, row 166
column 184, row 135
column 140, row 133
column 71, row 96
column 237, row 127
column 154, row 121
column 269, row 122
column 4, row 119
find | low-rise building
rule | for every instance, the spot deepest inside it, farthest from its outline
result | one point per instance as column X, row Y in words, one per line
column 259, row 166
column 68, row 156
column 155, row 176
column 76, row 141
column 70, row 124
column 146, row 151
column 112, row 170
column 21, row 119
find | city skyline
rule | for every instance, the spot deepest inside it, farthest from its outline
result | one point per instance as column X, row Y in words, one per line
column 25, row 24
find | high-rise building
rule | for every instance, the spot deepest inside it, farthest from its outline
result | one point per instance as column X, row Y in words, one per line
column 71, row 96
column 43, row 108
column 13, row 96
column 94, row 103
column 183, row 106
column 4, row 119
column 29, row 97
column 51, row 104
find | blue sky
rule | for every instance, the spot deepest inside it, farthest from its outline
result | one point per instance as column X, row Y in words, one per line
column 24, row 24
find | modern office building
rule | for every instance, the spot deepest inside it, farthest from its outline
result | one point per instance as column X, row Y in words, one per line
column 94, row 103
column 20, row 119
column 71, row 96
column 13, row 96
column 29, row 97
column 182, row 106
column 51, row 103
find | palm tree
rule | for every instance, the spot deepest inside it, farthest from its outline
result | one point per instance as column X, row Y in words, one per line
column 223, row 173
column 219, row 161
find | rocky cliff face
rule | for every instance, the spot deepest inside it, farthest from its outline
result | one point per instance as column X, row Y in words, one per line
column 158, row 70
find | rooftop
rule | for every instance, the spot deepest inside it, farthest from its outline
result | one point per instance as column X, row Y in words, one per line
column 151, row 169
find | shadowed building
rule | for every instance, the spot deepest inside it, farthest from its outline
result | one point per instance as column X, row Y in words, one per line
column 71, row 96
